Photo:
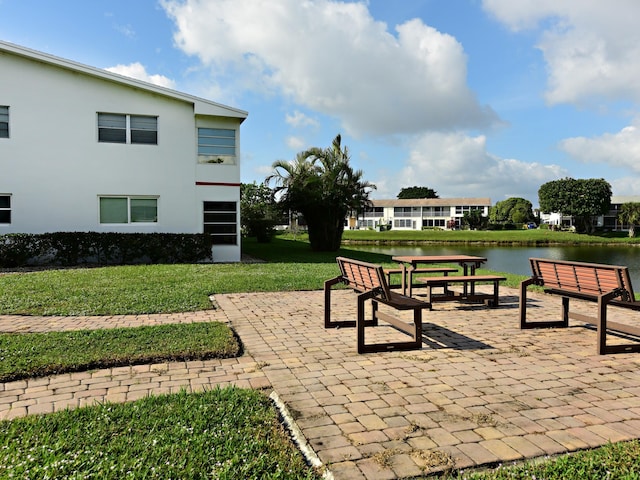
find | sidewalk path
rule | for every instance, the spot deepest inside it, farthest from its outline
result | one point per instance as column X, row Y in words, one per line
column 480, row 392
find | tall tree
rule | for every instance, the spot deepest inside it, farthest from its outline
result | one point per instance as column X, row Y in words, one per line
column 474, row 220
column 630, row 214
column 417, row 192
column 259, row 211
column 514, row 210
column 583, row 199
column 322, row 186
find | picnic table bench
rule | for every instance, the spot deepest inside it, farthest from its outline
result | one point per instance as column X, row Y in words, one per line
column 369, row 282
column 606, row 285
column 416, row 271
column 490, row 299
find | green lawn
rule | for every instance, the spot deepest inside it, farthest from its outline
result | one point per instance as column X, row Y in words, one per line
column 227, row 433
column 190, row 435
column 120, row 290
column 525, row 237
column 42, row 354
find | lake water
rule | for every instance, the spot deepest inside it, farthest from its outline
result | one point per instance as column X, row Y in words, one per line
column 516, row 259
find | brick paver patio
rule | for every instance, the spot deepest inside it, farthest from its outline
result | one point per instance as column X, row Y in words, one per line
column 480, row 392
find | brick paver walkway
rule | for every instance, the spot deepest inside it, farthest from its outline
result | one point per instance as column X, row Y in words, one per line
column 481, row 391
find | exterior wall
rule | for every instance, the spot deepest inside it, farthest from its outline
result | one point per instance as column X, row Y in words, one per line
column 55, row 169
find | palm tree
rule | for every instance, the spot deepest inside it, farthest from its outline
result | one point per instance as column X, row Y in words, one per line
column 630, row 214
column 322, row 186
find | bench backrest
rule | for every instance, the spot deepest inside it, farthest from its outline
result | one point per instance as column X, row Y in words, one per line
column 584, row 278
column 363, row 276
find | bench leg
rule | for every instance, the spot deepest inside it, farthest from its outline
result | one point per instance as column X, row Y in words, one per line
column 493, row 301
column 602, row 326
column 523, row 304
column 565, row 312
column 545, row 324
column 327, row 300
column 360, row 325
column 417, row 322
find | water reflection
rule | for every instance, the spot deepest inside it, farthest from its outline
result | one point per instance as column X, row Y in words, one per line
column 516, row 259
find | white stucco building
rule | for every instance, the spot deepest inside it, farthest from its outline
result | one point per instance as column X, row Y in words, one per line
column 416, row 214
column 83, row 149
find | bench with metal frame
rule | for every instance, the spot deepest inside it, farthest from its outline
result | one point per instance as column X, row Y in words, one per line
column 369, row 282
column 606, row 285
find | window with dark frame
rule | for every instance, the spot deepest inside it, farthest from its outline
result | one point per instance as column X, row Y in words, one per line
column 5, row 209
column 221, row 221
column 132, row 129
column 4, row 121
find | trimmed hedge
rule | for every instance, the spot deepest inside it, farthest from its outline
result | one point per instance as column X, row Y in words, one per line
column 77, row 248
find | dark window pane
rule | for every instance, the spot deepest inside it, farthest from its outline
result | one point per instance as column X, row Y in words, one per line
column 219, row 206
column 144, row 136
column 5, row 216
column 221, row 228
column 5, row 201
column 219, row 217
column 112, row 135
column 4, row 122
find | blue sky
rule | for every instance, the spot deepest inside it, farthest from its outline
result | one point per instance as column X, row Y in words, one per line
column 473, row 98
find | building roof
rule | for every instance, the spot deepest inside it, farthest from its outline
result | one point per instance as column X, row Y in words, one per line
column 620, row 199
column 434, row 202
column 201, row 106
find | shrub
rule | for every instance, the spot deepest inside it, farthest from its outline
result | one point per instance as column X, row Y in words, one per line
column 75, row 248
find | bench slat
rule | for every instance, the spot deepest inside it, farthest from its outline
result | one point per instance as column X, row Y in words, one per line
column 461, row 279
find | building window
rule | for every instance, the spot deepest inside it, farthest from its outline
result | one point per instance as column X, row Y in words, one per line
column 5, row 209
column 461, row 210
column 436, row 211
column 438, row 222
column 374, row 212
column 135, row 129
column 4, row 122
column 128, row 210
column 221, row 221
column 217, row 145
column 404, row 223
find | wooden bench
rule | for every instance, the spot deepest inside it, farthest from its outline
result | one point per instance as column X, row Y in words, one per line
column 369, row 281
column 418, row 271
column 468, row 293
column 604, row 284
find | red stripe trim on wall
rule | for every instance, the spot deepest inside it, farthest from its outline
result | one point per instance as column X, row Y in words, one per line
column 218, row 184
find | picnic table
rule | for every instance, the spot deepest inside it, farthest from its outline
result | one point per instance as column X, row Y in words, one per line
column 410, row 263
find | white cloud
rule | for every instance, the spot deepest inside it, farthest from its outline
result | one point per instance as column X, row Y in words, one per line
column 334, row 58
column 591, row 46
column 621, row 149
column 126, row 30
column 625, row 186
column 455, row 165
column 296, row 143
column 298, row 119
column 138, row 71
